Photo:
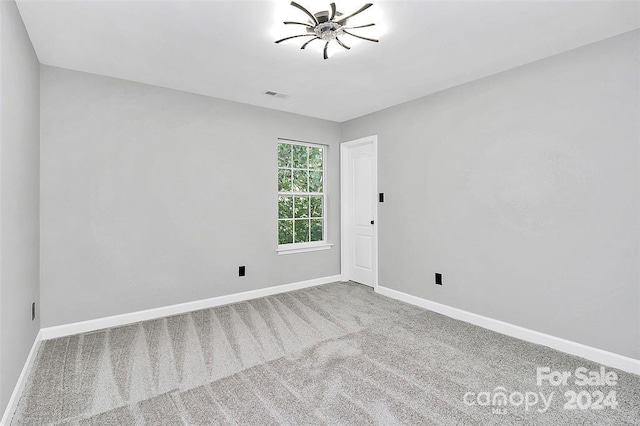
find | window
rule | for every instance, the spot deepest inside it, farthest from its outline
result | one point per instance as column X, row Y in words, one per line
column 301, row 197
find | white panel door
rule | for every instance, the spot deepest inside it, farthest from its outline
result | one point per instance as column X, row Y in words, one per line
column 359, row 211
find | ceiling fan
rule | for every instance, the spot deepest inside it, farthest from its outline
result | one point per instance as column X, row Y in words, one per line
column 328, row 26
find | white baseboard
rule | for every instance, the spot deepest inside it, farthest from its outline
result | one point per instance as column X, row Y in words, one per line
column 22, row 379
column 133, row 317
column 600, row 356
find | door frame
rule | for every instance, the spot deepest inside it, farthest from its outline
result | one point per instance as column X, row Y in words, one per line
column 345, row 204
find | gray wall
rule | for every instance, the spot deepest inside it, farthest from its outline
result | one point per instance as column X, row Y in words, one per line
column 522, row 189
column 152, row 197
column 19, row 196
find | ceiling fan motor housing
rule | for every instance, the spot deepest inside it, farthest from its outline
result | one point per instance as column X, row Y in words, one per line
column 328, row 30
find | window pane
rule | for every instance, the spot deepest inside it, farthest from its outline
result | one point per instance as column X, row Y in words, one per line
column 301, row 207
column 300, row 182
column 315, row 181
column 316, row 206
column 284, row 180
column 302, row 230
column 285, row 232
column 316, row 229
column 300, row 171
column 315, row 158
column 284, row 155
column 285, row 207
column 300, row 157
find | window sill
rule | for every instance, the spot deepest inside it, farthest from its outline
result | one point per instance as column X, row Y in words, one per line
column 304, row 249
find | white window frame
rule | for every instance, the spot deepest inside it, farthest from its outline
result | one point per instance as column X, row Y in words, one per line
column 315, row 245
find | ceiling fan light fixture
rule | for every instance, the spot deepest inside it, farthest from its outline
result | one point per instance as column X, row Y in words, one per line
column 328, row 26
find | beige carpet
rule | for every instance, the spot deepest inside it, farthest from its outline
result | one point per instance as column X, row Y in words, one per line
column 333, row 354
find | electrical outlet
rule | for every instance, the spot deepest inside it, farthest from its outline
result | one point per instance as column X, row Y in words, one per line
column 438, row 278
column 241, row 271
column 33, row 311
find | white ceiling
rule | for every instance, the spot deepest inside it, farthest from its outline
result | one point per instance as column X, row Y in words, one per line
column 226, row 49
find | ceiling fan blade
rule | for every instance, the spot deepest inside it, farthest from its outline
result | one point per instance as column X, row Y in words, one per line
column 299, row 23
column 342, row 44
column 359, row 26
column 305, row 45
column 362, row 9
column 326, row 47
column 363, row 38
column 302, row 8
column 295, row 36
column 333, row 11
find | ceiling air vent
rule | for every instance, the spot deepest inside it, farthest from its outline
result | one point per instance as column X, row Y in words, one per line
column 276, row 94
